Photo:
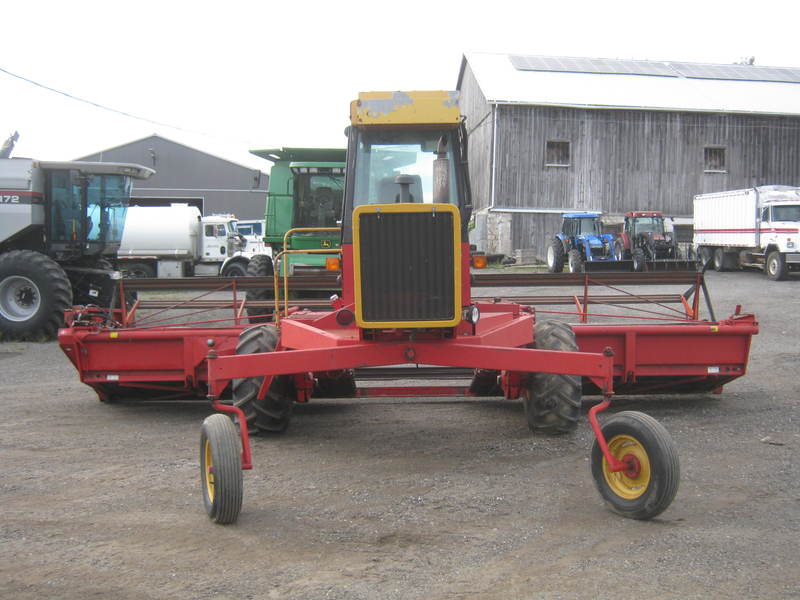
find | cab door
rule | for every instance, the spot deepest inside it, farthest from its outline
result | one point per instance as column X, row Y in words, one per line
column 215, row 242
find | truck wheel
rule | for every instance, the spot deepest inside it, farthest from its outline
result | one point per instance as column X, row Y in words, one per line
column 221, row 469
column 575, row 261
column 34, row 293
column 776, row 266
column 649, row 483
column 236, row 269
column 555, row 256
column 638, row 259
column 137, row 270
column 720, row 264
column 553, row 401
column 704, row 255
column 620, row 253
column 273, row 412
column 260, row 266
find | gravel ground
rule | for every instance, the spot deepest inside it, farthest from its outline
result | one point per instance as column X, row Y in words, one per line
column 420, row 498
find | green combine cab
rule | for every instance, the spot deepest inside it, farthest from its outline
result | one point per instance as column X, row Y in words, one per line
column 306, row 189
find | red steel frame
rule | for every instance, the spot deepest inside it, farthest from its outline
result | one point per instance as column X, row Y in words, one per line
column 636, row 358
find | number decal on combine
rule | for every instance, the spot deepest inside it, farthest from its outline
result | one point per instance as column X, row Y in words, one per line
column 9, row 199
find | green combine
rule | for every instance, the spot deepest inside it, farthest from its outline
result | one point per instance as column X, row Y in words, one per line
column 306, row 188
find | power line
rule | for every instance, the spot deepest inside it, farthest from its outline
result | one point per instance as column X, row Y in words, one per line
column 113, row 110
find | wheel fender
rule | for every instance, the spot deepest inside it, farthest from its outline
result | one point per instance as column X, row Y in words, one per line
column 234, row 259
column 626, row 240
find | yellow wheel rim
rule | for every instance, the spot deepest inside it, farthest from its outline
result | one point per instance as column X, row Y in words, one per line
column 626, row 484
column 208, row 471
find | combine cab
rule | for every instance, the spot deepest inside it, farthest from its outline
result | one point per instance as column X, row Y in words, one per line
column 407, row 302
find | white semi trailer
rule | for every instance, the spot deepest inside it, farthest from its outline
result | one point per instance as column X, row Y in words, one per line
column 176, row 241
column 754, row 227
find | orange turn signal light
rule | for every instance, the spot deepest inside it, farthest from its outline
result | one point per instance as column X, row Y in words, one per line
column 479, row 261
column 332, row 263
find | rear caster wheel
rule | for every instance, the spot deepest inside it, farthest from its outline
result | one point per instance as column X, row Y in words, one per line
column 221, row 469
column 648, row 484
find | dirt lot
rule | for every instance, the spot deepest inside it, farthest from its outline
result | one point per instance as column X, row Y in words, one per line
column 401, row 498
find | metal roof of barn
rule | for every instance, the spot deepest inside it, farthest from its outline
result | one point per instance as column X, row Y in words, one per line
column 634, row 84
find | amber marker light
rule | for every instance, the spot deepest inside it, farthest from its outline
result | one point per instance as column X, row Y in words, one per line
column 479, row 261
column 332, row 263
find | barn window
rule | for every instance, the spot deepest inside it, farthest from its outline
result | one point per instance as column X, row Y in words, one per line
column 714, row 159
column 556, row 154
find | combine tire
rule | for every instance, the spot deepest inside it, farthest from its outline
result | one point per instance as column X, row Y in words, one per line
column 221, row 469
column 260, row 266
column 553, row 401
column 576, row 260
column 555, row 256
column 273, row 412
column 649, row 484
column 34, row 293
column 776, row 266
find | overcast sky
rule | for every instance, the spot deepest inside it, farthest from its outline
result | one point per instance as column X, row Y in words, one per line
column 227, row 77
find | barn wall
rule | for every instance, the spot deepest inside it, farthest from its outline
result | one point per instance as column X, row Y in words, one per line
column 623, row 160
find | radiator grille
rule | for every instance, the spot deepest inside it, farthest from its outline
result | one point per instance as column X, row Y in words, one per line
column 407, row 266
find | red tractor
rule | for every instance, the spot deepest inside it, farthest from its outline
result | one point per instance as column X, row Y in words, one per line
column 644, row 239
column 407, row 300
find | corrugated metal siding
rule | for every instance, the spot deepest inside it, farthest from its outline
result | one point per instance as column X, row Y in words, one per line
column 183, row 172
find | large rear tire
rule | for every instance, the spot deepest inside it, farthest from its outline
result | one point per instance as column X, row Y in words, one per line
column 650, row 481
column 274, row 411
column 555, row 256
column 553, row 400
column 260, row 266
column 34, row 293
column 221, row 469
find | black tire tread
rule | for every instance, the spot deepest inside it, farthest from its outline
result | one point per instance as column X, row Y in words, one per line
column 260, row 265
column 46, row 323
column 274, row 411
column 664, row 465
column 553, row 400
column 558, row 256
column 226, row 453
column 576, row 261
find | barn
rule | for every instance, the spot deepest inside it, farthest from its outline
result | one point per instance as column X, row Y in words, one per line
column 555, row 134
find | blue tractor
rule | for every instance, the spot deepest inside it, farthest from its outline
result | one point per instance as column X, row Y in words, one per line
column 582, row 247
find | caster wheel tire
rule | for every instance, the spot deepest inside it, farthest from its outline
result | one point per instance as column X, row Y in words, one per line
column 221, row 469
column 650, row 481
